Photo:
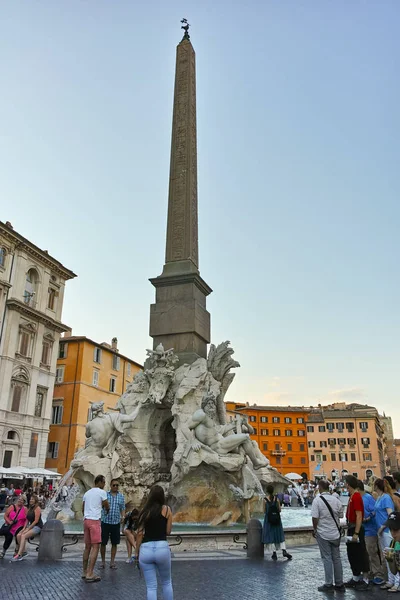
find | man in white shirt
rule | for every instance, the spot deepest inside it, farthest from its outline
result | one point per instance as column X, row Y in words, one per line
column 93, row 501
column 326, row 529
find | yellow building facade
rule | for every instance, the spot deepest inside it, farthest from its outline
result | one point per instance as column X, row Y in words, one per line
column 87, row 372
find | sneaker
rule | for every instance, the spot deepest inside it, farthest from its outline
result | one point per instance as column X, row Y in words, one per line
column 16, row 558
column 386, row 586
column 2, row 553
column 378, row 580
column 394, row 588
column 287, row 555
column 362, row 586
column 128, row 561
column 326, row 588
column 352, row 583
column 274, row 556
column 340, row 588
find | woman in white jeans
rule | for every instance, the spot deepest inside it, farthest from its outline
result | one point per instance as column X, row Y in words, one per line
column 152, row 549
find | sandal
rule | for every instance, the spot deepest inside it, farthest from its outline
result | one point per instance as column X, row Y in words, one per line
column 113, row 566
column 93, row 579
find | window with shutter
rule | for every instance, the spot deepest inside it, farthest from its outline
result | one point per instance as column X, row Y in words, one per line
column 95, row 378
column 39, row 404
column 45, row 353
column 16, row 401
column 24, row 344
column 62, row 350
column 57, row 413
column 51, row 299
column 33, row 445
column 59, row 374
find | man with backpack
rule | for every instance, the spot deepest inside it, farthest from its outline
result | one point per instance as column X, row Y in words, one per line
column 326, row 512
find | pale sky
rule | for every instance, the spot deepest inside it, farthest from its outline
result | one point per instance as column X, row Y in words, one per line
column 298, row 156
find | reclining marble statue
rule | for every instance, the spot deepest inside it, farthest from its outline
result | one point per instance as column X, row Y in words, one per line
column 202, row 431
column 103, row 431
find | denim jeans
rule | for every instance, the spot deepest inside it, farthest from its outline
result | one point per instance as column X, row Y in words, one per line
column 156, row 557
column 384, row 540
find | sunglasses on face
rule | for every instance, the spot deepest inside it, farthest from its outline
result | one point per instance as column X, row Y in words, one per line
column 115, row 485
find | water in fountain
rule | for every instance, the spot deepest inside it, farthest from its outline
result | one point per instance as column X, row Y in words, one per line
column 55, row 504
column 298, row 490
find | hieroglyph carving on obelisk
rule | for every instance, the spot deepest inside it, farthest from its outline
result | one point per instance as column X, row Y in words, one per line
column 182, row 228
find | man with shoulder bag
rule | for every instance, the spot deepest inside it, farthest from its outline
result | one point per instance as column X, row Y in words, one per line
column 326, row 512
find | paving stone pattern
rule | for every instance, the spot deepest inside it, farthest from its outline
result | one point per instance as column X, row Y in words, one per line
column 222, row 575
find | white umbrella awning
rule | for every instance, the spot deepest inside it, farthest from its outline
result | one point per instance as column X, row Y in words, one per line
column 21, row 472
column 39, row 472
column 10, row 473
column 293, row 476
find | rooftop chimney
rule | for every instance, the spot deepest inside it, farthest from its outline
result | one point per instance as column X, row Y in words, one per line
column 114, row 344
column 68, row 333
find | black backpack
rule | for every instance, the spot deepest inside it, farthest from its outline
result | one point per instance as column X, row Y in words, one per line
column 273, row 514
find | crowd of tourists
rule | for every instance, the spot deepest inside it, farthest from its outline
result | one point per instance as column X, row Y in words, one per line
column 372, row 538
column 371, row 529
column 9, row 494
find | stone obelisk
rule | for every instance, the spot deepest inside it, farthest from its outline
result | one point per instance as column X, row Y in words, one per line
column 179, row 318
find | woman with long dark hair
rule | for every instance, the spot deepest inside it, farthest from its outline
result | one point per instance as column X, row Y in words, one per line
column 152, row 549
column 130, row 523
column 273, row 536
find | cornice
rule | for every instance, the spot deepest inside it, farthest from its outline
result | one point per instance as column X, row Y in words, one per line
column 19, row 242
column 178, row 279
column 5, row 284
column 32, row 313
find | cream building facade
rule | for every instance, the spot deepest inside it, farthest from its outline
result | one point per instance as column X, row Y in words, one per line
column 31, row 298
column 346, row 439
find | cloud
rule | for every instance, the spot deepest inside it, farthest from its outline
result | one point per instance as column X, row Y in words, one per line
column 354, row 393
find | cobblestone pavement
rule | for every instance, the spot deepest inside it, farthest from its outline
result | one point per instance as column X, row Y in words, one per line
column 201, row 576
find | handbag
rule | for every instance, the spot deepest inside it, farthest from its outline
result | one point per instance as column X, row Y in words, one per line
column 328, row 506
column 5, row 528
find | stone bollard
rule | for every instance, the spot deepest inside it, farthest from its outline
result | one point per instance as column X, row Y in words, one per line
column 255, row 547
column 51, row 540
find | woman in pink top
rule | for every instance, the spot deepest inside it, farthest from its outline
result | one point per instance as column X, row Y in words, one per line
column 15, row 516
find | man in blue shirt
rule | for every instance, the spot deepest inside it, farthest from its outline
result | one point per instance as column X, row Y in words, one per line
column 377, row 570
column 111, row 523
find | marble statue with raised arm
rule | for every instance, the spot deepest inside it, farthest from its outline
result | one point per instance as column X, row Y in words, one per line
column 103, row 431
column 202, row 431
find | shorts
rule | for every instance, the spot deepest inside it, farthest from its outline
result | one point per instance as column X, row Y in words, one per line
column 36, row 530
column 110, row 531
column 91, row 531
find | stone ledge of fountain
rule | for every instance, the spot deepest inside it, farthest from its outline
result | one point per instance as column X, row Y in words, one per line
column 221, row 539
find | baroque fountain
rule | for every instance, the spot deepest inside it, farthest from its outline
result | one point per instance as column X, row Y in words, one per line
column 170, row 428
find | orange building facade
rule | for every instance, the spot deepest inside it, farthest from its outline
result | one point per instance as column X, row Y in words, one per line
column 86, row 372
column 281, row 434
